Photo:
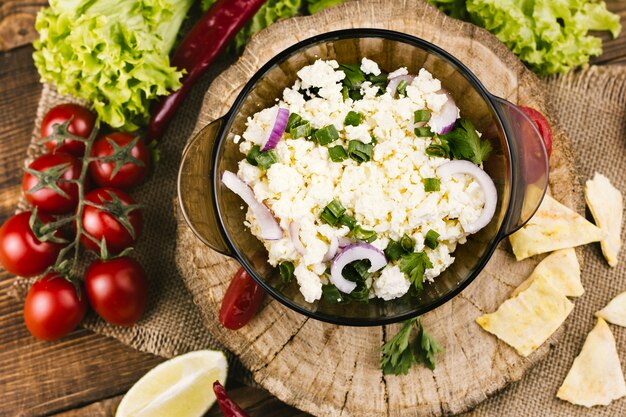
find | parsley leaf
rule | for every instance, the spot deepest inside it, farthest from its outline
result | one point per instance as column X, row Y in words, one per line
column 464, row 143
column 401, row 352
column 413, row 265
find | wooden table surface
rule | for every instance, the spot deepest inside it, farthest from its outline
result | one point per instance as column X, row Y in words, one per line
column 86, row 374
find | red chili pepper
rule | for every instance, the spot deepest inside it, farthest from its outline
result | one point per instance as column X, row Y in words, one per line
column 208, row 38
column 229, row 407
column 241, row 301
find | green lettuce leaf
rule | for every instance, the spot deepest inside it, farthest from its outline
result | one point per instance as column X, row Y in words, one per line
column 111, row 53
column 550, row 36
column 315, row 6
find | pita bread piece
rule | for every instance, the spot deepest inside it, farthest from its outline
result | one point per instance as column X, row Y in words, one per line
column 596, row 376
column 526, row 321
column 554, row 226
column 606, row 205
column 559, row 269
column 615, row 311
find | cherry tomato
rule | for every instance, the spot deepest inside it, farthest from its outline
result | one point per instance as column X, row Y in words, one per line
column 542, row 125
column 103, row 224
column 46, row 198
column 241, row 301
column 53, row 308
column 21, row 253
column 131, row 173
column 117, row 289
column 82, row 123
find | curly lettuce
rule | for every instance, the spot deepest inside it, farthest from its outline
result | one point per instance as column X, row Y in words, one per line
column 550, row 36
column 111, row 53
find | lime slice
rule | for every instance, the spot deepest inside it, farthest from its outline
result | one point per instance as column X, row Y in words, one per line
column 181, row 387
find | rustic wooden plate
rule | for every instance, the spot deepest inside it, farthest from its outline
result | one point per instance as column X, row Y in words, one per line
column 329, row 370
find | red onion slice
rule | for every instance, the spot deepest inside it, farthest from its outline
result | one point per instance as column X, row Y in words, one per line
column 351, row 253
column 332, row 249
column 484, row 181
column 270, row 229
column 277, row 131
column 443, row 121
column 393, row 83
column 294, row 235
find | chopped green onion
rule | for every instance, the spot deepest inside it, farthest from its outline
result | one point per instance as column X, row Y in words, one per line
column 431, row 239
column 359, row 151
column 332, row 212
column 407, row 243
column 353, row 118
column 423, row 131
column 345, row 93
column 337, row 153
column 294, row 120
column 421, row 116
column 331, row 295
column 361, row 293
column 326, row 135
column 401, row 88
column 431, row 184
column 301, row 131
column 440, row 151
column 251, row 156
column 266, row 159
column 286, row 269
column 363, row 234
column 393, row 251
column 347, row 220
column 357, row 271
column 354, row 76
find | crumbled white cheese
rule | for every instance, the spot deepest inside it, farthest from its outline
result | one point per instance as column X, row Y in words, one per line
column 369, row 67
column 391, row 284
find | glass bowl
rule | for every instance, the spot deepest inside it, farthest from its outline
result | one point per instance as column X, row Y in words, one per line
column 518, row 166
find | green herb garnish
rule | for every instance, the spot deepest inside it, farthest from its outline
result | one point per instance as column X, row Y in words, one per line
column 286, row 269
column 423, row 132
column 337, row 153
column 266, row 159
column 332, row 212
column 294, row 120
column 395, row 250
column 359, row 151
column 347, row 220
column 421, row 116
column 331, row 295
column 252, row 155
column 440, row 151
column 326, row 135
column 401, row 88
column 302, row 130
column 464, row 143
column 413, row 265
column 354, row 76
column 431, row 239
column 353, row 118
column 363, row 234
column 401, row 352
column 431, row 184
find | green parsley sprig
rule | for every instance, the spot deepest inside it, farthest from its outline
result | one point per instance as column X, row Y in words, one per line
column 461, row 143
column 402, row 351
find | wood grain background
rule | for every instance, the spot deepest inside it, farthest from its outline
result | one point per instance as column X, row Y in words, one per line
column 86, row 374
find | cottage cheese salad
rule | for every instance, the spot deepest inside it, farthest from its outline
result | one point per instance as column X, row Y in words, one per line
column 361, row 183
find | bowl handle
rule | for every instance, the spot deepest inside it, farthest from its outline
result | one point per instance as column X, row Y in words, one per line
column 529, row 164
column 195, row 188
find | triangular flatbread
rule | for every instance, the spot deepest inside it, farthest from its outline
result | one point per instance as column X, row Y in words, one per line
column 607, row 207
column 526, row 321
column 553, row 227
column 559, row 269
column 596, row 376
column 615, row 311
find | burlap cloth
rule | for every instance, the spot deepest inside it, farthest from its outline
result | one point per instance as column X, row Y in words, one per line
column 591, row 106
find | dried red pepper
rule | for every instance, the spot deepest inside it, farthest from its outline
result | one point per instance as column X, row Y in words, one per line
column 229, row 407
column 199, row 49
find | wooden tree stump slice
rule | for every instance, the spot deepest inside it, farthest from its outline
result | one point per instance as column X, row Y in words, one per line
column 330, row 370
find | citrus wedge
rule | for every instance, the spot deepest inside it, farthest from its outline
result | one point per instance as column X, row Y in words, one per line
column 181, row 387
